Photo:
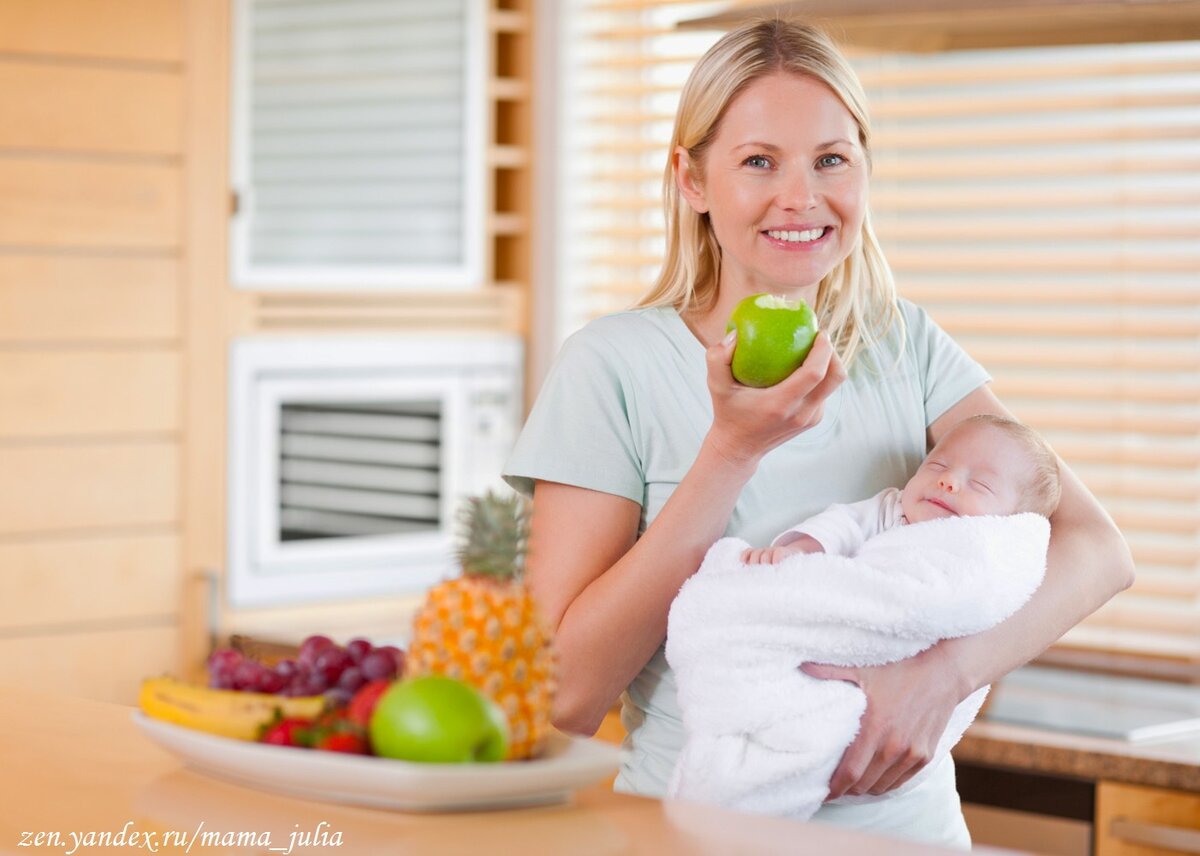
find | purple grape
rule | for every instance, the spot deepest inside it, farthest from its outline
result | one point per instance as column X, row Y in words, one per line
column 397, row 659
column 331, row 662
column 311, row 647
column 338, row 696
column 221, row 680
column 351, row 679
column 378, row 664
column 245, row 677
column 286, row 669
column 224, row 658
column 357, row 649
column 312, row 683
column 269, row 682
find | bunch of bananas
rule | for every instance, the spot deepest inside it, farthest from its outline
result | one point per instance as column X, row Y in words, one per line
column 229, row 713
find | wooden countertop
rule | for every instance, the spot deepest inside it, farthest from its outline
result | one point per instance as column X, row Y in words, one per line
column 1164, row 763
column 71, row 765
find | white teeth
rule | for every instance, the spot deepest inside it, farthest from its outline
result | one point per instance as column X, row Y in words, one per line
column 796, row 237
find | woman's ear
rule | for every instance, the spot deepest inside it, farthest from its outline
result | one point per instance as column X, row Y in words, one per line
column 687, row 179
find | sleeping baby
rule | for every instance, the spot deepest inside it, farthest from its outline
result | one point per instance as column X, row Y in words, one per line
column 984, row 465
column 955, row 552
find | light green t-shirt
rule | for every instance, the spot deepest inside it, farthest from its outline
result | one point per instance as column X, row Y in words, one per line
column 624, row 410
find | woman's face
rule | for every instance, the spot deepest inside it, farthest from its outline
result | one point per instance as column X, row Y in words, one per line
column 784, row 183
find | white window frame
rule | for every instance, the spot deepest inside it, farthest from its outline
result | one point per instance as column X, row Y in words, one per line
column 465, row 276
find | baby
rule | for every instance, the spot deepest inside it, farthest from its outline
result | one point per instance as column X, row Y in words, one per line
column 985, row 465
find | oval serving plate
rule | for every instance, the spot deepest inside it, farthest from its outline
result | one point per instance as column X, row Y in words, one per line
column 567, row 764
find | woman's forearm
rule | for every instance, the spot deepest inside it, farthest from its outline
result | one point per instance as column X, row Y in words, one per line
column 619, row 620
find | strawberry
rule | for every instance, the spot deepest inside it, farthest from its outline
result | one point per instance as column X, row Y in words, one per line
column 334, row 731
column 286, row 732
column 362, row 705
column 343, row 741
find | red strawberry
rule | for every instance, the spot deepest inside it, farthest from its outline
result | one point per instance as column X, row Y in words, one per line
column 343, row 741
column 287, row 732
column 363, row 704
column 335, row 732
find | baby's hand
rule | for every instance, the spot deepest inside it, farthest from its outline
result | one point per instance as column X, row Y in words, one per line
column 766, row 555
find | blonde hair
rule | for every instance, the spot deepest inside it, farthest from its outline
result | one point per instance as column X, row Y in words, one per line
column 856, row 301
column 1044, row 490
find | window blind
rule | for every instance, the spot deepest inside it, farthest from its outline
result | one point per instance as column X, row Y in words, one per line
column 358, row 147
column 1043, row 204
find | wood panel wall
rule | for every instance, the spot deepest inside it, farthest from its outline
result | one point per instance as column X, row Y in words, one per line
column 116, row 314
column 91, row 151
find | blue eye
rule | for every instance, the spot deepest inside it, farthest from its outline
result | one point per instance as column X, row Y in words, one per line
column 758, row 161
column 830, row 160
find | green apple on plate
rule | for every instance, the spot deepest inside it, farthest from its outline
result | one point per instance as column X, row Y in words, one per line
column 774, row 335
column 436, row 719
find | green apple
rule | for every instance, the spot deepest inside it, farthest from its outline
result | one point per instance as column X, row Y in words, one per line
column 438, row 720
column 774, row 335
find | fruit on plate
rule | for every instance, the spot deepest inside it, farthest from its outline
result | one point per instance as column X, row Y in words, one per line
column 435, row 719
column 363, row 704
column 320, row 666
column 230, row 713
column 774, row 335
column 484, row 628
column 287, row 732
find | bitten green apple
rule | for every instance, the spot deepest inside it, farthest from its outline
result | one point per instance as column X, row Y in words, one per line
column 774, row 335
column 439, row 720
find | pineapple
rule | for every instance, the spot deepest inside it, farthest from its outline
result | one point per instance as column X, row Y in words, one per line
column 484, row 628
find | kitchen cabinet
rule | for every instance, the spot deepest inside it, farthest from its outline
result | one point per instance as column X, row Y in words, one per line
column 1133, row 820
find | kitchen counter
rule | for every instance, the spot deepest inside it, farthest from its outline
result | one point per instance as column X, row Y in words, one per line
column 71, row 765
column 1165, row 763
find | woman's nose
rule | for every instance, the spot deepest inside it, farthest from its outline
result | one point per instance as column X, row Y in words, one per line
column 798, row 191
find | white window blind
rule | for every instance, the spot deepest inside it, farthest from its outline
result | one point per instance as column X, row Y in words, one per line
column 358, row 143
column 1043, row 204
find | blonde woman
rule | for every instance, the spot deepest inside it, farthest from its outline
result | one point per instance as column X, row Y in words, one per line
column 641, row 450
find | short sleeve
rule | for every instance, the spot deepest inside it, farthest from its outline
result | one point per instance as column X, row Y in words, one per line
column 580, row 429
column 947, row 372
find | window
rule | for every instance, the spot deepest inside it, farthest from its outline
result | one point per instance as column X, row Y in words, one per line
column 358, row 144
column 1043, row 204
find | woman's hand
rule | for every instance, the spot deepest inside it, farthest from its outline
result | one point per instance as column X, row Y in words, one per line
column 900, row 729
column 749, row 422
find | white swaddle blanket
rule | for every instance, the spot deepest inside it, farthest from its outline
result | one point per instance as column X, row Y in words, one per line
column 762, row 736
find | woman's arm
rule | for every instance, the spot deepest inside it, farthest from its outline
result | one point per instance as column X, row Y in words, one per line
column 1088, row 563
column 608, row 592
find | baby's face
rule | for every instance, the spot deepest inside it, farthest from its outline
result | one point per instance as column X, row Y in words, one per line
column 975, row 469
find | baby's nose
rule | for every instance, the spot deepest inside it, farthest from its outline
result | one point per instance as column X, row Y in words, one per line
column 947, row 484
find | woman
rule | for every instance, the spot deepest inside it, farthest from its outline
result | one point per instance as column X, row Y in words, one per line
column 642, row 450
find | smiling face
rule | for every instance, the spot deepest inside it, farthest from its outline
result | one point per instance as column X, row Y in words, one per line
column 784, row 183
column 976, row 469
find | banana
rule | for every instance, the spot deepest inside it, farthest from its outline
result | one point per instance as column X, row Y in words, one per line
column 230, row 713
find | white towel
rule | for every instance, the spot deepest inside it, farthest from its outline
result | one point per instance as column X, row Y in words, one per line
column 762, row 736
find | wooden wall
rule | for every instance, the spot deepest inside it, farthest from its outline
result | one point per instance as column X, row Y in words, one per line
column 91, row 154
column 116, row 313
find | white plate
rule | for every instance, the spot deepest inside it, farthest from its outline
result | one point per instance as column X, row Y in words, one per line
column 568, row 763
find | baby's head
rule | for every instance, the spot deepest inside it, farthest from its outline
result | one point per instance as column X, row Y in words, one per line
column 984, row 465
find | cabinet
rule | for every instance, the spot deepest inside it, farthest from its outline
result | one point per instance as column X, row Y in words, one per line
column 1132, row 820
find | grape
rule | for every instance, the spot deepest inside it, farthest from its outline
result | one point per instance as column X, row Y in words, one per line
column 331, row 662
column 378, row 664
column 397, row 656
column 224, row 658
column 269, row 681
column 286, row 669
column 339, row 696
column 351, row 679
column 245, row 677
column 357, row 649
column 311, row 647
